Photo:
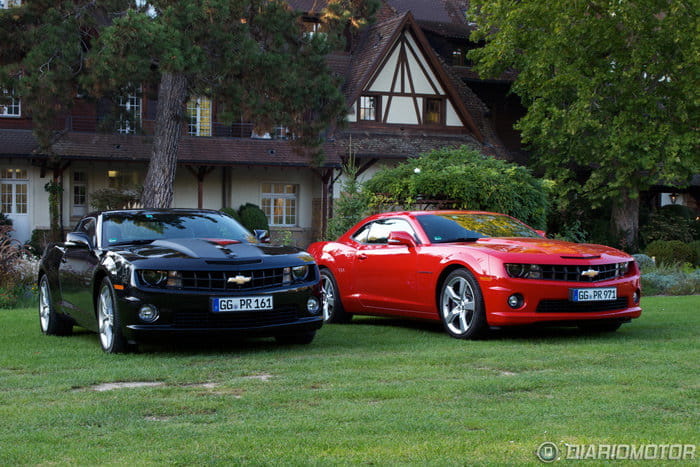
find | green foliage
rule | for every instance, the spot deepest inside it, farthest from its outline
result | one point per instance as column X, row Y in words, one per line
column 252, row 217
column 115, row 198
column 670, row 223
column 350, row 207
column 645, row 262
column 466, row 179
column 4, row 220
column 38, row 242
column 668, row 252
column 671, row 280
column 611, row 91
column 17, row 269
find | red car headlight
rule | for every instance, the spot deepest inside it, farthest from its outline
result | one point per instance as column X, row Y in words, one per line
column 524, row 271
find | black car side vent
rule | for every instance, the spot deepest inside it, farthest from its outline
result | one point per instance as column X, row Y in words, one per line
column 229, row 262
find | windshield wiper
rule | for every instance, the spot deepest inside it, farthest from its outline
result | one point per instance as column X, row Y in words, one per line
column 133, row 242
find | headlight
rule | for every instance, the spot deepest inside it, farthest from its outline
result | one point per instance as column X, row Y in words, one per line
column 524, row 271
column 299, row 273
column 622, row 269
column 154, row 278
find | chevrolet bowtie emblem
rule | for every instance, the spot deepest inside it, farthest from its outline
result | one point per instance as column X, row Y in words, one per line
column 239, row 280
column 590, row 273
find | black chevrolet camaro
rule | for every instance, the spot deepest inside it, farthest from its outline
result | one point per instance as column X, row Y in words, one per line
column 139, row 274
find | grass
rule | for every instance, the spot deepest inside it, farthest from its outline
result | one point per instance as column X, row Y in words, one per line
column 376, row 392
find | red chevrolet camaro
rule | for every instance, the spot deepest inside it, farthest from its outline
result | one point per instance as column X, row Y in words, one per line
column 473, row 270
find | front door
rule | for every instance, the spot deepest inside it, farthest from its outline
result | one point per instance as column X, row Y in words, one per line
column 14, row 201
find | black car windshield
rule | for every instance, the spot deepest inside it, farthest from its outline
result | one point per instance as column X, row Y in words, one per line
column 142, row 227
column 447, row 228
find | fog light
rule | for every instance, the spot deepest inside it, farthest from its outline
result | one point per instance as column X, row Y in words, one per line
column 148, row 313
column 636, row 296
column 516, row 301
column 313, row 305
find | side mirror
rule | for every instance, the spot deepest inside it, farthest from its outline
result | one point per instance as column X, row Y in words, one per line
column 263, row 236
column 78, row 239
column 401, row 238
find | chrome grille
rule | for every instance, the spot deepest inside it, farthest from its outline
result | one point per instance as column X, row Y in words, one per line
column 574, row 273
column 219, row 280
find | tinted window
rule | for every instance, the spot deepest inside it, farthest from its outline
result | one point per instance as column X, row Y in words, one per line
column 126, row 227
column 470, row 227
column 378, row 231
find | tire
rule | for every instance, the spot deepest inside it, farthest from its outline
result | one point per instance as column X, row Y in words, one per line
column 51, row 322
column 108, row 320
column 333, row 311
column 610, row 325
column 296, row 339
column 462, row 306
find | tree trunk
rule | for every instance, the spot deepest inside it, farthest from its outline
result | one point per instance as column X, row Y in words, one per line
column 625, row 220
column 158, row 187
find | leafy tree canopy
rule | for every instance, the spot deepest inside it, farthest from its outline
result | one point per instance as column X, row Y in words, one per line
column 611, row 88
column 466, row 178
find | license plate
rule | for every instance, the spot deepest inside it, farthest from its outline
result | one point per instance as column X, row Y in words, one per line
column 252, row 303
column 593, row 294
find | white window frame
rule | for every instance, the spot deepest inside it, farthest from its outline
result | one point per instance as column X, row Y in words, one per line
column 7, row 4
column 364, row 110
column 133, row 106
column 79, row 210
column 270, row 200
column 11, row 109
column 194, row 110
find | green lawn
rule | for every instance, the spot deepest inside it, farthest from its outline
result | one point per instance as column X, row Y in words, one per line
column 372, row 392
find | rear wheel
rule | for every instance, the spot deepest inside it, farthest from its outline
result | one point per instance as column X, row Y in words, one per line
column 333, row 311
column 461, row 306
column 50, row 321
column 108, row 320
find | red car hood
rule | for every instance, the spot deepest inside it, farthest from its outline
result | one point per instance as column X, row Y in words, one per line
column 547, row 247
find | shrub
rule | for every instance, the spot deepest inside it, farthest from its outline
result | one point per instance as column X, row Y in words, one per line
column 467, row 179
column 40, row 239
column 696, row 247
column 4, row 220
column 670, row 223
column 645, row 262
column 252, row 217
column 671, row 252
column 671, row 281
column 17, row 269
column 115, row 198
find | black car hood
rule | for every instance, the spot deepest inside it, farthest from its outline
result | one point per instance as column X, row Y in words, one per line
column 200, row 248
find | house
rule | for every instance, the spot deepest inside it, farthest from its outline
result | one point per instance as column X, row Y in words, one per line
column 403, row 99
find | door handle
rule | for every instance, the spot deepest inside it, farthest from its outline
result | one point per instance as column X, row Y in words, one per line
column 361, row 257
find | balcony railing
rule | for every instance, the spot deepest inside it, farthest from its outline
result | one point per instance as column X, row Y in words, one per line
column 147, row 127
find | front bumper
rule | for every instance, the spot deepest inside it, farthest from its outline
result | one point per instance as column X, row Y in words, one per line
column 189, row 313
column 548, row 301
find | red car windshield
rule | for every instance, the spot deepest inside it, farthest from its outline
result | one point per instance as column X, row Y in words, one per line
column 448, row 228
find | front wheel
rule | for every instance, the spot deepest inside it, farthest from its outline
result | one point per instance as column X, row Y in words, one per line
column 51, row 322
column 461, row 306
column 108, row 320
column 333, row 311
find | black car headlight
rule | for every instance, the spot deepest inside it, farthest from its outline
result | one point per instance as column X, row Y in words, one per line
column 295, row 274
column 524, row 271
column 154, row 278
column 157, row 278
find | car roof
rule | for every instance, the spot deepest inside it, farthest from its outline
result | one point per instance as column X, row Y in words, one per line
column 151, row 211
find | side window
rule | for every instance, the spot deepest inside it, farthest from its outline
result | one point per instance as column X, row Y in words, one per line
column 378, row 232
column 87, row 226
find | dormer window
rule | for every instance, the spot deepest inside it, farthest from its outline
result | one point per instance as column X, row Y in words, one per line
column 433, row 111
column 199, row 113
column 369, row 108
column 10, row 106
column 458, row 57
column 4, row 4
